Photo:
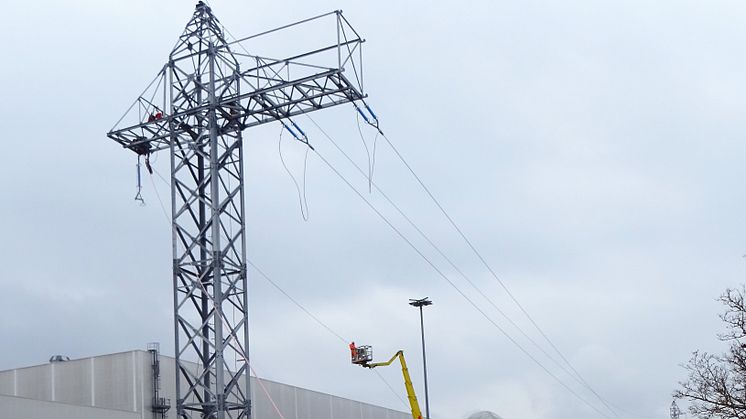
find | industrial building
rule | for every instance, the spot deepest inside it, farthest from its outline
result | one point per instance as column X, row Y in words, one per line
column 140, row 384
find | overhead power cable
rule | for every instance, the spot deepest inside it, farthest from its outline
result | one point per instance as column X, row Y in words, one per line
column 494, row 275
column 455, row 287
column 297, row 304
column 398, row 209
column 440, row 251
column 319, row 321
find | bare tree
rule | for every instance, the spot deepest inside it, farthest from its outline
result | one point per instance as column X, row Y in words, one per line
column 716, row 387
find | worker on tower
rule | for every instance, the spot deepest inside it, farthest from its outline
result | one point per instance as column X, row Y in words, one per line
column 155, row 116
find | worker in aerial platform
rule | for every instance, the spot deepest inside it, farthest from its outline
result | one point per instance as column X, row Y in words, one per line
column 353, row 350
column 365, row 353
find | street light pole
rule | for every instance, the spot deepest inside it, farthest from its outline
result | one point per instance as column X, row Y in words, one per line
column 419, row 304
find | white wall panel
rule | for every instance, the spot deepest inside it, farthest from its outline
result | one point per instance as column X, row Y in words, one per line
column 35, row 382
column 20, row 408
column 72, row 382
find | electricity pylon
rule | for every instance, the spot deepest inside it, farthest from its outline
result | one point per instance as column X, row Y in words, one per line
column 206, row 95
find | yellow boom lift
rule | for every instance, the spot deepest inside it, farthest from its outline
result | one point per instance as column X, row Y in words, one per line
column 363, row 355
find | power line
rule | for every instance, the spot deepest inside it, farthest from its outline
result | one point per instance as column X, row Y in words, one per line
column 438, row 249
column 575, row 376
column 494, row 275
column 317, row 320
column 454, row 286
column 297, row 304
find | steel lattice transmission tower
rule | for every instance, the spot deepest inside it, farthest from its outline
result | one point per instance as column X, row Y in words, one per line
column 208, row 92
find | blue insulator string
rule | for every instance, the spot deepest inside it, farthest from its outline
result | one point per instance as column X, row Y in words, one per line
column 370, row 118
column 299, row 135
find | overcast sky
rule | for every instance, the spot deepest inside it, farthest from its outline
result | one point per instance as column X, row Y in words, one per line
column 593, row 151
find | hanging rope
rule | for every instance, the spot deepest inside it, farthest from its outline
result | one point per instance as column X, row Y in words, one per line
column 158, row 195
column 271, row 400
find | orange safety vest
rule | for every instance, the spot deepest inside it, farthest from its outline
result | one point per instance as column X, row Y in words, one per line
column 353, row 349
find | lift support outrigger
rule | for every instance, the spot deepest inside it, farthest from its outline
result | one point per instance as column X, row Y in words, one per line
column 363, row 355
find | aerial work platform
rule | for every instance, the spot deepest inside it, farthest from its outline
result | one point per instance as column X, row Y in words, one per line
column 361, row 355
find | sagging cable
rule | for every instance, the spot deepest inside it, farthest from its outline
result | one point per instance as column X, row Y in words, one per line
column 371, row 156
column 303, row 201
column 371, row 119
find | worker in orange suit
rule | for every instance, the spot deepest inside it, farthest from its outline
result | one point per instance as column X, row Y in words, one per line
column 353, row 350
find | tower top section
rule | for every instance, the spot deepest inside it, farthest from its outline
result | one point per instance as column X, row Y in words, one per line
column 274, row 75
column 203, row 31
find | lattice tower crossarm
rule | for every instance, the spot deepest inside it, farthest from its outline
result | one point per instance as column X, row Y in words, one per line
column 206, row 95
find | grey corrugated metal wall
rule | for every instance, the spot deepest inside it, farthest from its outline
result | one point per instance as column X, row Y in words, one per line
column 122, row 383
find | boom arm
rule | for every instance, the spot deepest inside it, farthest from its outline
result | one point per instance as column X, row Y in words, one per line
column 416, row 413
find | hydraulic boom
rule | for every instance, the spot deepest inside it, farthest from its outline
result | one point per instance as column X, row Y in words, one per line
column 364, row 354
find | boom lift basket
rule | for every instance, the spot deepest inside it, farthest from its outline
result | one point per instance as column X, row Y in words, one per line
column 362, row 355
